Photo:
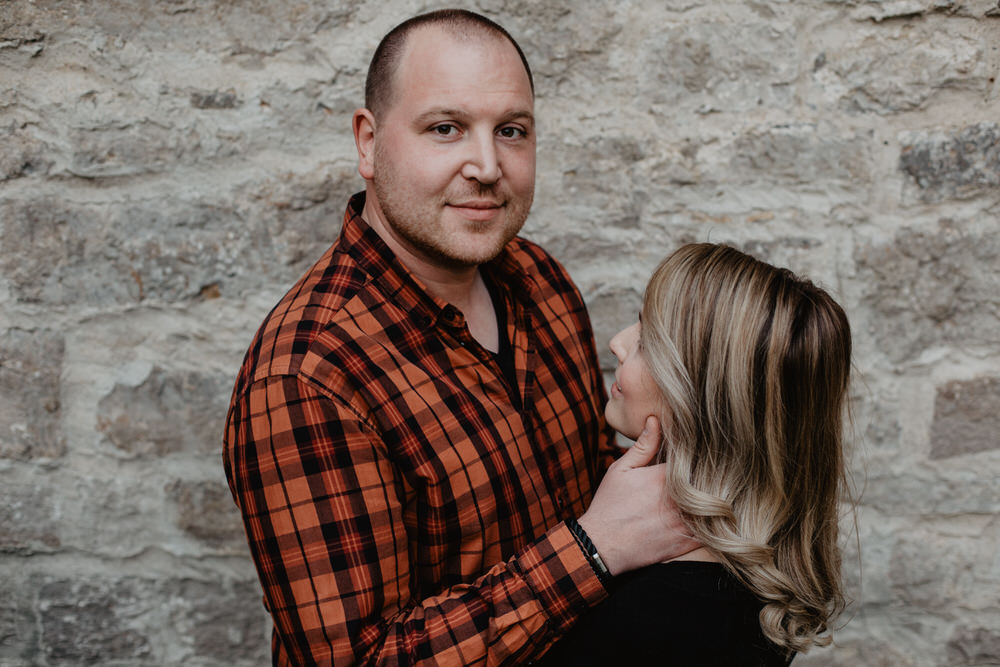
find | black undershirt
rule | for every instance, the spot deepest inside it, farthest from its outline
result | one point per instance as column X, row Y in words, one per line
column 504, row 355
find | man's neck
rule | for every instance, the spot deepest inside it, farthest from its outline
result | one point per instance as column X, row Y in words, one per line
column 463, row 287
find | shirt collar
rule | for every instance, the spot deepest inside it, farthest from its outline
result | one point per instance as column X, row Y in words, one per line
column 376, row 259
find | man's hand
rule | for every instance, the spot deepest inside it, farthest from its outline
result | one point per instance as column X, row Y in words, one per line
column 632, row 521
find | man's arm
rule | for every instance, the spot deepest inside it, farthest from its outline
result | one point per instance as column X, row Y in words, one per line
column 323, row 509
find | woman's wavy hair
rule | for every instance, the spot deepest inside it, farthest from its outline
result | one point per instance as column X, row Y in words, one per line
column 753, row 363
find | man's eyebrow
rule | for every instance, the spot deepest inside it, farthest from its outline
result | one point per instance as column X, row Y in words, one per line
column 459, row 114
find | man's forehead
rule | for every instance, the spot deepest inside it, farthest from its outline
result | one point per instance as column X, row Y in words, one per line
column 425, row 44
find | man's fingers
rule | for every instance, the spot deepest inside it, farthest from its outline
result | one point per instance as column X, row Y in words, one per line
column 645, row 448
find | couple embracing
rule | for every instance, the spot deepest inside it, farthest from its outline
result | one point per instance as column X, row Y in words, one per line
column 421, row 445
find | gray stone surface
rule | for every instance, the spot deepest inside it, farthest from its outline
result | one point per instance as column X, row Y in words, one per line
column 85, row 623
column 966, row 418
column 167, row 413
column 933, row 287
column 168, row 170
column 958, row 165
column 30, row 407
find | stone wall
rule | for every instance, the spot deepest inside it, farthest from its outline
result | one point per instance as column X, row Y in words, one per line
column 168, row 169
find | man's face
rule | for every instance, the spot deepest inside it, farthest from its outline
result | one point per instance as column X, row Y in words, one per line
column 453, row 165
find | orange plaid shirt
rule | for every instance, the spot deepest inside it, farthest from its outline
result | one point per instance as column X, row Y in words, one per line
column 400, row 505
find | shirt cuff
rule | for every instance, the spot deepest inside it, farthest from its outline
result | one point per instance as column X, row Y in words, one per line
column 561, row 577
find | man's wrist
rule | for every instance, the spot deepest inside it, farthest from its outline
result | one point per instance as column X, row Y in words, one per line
column 590, row 551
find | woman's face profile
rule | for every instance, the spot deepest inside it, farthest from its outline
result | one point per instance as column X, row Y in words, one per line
column 634, row 394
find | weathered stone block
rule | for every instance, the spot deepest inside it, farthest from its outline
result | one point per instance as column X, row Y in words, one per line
column 221, row 620
column 931, row 287
column 169, row 412
column 205, row 511
column 800, row 154
column 966, row 418
column 974, row 646
column 718, row 67
column 30, row 408
column 31, row 522
column 169, row 249
column 23, row 155
column 86, row 623
column 18, row 635
column 955, row 165
column 898, row 67
column 854, row 653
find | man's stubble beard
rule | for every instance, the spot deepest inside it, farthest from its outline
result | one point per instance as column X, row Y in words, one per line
column 411, row 221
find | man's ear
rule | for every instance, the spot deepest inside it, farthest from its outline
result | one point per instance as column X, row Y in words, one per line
column 364, row 138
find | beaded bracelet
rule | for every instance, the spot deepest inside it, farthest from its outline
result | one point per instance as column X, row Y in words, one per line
column 590, row 551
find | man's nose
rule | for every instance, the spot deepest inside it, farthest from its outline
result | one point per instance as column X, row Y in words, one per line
column 482, row 162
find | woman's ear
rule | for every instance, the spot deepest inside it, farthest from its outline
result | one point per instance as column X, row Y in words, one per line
column 363, row 123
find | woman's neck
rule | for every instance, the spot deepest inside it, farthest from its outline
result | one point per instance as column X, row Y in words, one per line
column 699, row 554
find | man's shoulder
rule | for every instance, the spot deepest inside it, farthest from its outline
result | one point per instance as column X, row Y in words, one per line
column 330, row 292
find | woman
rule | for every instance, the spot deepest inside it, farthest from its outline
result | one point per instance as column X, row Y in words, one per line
column 746, row 367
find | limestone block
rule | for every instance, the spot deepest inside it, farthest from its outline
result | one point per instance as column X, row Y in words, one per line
column 133, row 620
column 598, row 173
column 883, row 10
column 23, row 154
column 18, row 628
column 958, row 164
column 966, row 418
column 170, row 412
column 852, row 652
column 173, row 247
column 815, row 155
column 93, row 622
column 931, row 287
column 218, row 620
column 719, row 66
column 30, row 407
column 933, row 569
column 918, row 490
column 897, row 67
column 31, row 523
column 974, row 646
column 205, row 511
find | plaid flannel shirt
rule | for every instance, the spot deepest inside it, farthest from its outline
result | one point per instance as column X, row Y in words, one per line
column 399, row 507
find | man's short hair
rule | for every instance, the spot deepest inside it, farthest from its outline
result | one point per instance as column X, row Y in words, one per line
column 381, row 71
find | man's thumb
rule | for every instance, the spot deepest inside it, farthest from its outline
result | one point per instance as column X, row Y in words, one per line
column 644, row 450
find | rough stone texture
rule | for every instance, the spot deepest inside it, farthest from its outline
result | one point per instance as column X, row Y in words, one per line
column 933, row 287
column 959, row 165
column 974, row 646
column 168, row 170
column 165, row 414
column 966, row 418
column 30, row 364
column 204, row 511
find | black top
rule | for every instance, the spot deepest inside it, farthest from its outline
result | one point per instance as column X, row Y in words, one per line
column 680, row 613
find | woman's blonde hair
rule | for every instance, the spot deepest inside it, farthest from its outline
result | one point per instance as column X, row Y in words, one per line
column 753, row 364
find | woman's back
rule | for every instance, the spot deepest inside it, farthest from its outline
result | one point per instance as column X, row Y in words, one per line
column 684, row 613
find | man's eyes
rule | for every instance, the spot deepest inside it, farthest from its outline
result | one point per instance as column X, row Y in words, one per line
column 452, row 130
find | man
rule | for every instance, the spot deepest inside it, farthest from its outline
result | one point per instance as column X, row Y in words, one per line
column 419, row 420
